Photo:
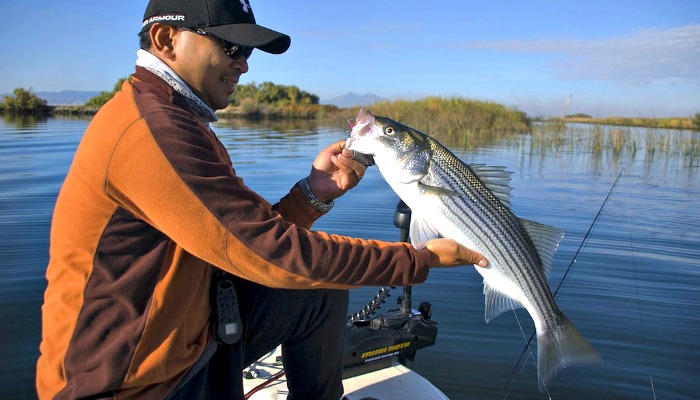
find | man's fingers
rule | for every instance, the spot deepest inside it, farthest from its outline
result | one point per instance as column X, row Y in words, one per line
column 449, row 253
column 472, row 257
column 349, row 166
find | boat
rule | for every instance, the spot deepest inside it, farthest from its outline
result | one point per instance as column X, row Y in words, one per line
column 264, row 380
column 377, row 347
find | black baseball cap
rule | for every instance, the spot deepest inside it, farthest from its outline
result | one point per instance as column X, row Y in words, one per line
column 231, row 20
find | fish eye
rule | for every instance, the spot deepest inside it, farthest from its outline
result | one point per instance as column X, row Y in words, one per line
column 389, row 130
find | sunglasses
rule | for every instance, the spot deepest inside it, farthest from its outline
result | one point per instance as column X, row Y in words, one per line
column 234, row 51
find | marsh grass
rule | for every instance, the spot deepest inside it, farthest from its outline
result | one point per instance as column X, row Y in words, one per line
column 617, row 142
column 251, row 109
column 454, row 121
column 660, row 123
column 468, row 124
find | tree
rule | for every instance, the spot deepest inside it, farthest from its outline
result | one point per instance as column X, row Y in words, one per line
column 103, row 97
column 272, row 94
column 23, row 101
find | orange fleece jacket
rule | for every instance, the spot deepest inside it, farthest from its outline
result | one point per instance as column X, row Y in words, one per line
column 150, row 206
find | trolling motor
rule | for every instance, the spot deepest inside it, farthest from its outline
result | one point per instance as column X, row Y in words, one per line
column 374, row 341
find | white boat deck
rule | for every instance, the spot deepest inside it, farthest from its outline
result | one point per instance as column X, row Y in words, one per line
column 393, row 382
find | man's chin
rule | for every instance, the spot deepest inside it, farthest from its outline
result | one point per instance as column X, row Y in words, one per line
column 219, row 105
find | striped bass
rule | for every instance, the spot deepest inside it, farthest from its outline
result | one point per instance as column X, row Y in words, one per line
column 471, row 204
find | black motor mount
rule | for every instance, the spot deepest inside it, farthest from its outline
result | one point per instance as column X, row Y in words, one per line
column 373, row 342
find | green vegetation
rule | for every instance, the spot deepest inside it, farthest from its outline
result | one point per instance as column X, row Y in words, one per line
column 456, row 121
column 454, row 114
column 616, row 143
column 85, row 111
column 23, row 101
column 92, row 104
column 99, row 100
column 664, row 123
column 270, row 101
column 272, row 94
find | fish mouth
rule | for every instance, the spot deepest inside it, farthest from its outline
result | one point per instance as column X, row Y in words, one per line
column 362, row 122
column 362, row 125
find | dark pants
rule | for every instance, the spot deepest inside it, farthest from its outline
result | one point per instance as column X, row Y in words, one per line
column 310, row 325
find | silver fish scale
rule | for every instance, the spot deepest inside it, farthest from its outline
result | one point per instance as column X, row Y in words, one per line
column 499, row 233
column 471, row 204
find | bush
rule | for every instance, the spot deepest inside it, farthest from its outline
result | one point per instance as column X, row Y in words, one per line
column 103, row 97
column 453, row 118
column 23, row 101
column 272, row 94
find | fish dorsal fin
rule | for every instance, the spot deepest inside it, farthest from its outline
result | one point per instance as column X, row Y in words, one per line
column 497, row 303
column 546, row 240
column 421, row 231
column 496, row 179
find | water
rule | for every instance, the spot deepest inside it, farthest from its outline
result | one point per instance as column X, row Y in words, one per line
column 633, row 290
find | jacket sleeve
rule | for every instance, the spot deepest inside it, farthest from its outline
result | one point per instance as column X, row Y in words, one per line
column 295, row 209
column 173, row 173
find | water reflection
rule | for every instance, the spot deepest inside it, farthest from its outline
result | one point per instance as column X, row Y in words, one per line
column 281, row 126
column 640, row 266
column 21, row 122
column 608, row 148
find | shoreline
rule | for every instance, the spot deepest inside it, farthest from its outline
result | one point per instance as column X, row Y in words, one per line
column 688, row 123
column 324, row 111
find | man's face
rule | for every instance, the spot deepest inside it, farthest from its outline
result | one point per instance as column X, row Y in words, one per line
column 202, row 63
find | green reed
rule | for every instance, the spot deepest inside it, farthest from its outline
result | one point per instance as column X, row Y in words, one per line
column 469, row 124
column 617, row 142
column 661, row 123
column 454, row 121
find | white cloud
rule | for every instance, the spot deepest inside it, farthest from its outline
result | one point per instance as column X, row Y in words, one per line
column 643, row 57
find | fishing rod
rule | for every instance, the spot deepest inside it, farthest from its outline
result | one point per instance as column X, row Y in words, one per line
column 563, row 279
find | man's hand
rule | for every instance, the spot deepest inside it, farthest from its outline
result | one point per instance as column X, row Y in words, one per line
column 448, row 253
column 334, row 172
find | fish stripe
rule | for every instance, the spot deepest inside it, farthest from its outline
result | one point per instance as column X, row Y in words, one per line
column 471, row 204
column 486, row 215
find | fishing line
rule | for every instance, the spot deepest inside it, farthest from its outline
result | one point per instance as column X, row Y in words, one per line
column 563, row 279
column 532, row 356
column 639, row 306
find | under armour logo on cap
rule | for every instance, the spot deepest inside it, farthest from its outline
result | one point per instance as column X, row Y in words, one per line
column 246, row 5
column 231, row 20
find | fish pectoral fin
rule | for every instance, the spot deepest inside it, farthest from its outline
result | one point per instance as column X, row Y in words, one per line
column 408, row 179
column 413, row 166
column 546, row 240
column 497, row 303
column 421, row 231
column 438, row 191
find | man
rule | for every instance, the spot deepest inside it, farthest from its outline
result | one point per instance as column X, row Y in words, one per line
column 152, row 213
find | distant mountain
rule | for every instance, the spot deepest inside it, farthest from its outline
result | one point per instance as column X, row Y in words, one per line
column 78, row 97
column 66, row 97
column 353, row 100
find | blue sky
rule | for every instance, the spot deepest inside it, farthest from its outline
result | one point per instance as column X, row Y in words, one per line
column 632, row 58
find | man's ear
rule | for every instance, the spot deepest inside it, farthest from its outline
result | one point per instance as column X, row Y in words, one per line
column 162, row 39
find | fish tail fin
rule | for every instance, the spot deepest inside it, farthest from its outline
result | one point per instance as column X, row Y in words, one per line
column 561, row 347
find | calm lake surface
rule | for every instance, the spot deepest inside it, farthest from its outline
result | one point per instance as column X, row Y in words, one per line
column 633, row 291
